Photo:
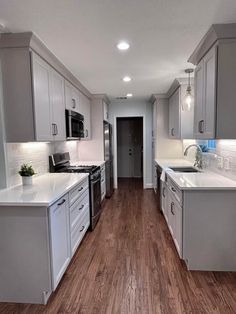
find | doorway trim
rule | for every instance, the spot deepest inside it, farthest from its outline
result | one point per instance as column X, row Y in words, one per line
column 115, row 148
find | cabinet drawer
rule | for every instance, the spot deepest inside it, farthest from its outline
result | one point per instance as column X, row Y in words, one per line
column 76, row 192
column 175, row 190
column 78, row 208
column 79, row 231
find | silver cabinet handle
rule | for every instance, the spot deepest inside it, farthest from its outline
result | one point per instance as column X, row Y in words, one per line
column 80, row 189
column 56, row 129
column 73, row 103
column 81, row 207
column 173, row 189
column 201, row 126
column 86, row 133
column 172, row 208
column 172, row 131
column 62, row 202
column 82, row 229
column 163, row 192
column 53, row 129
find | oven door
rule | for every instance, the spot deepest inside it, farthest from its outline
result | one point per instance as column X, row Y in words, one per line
column 96, row 196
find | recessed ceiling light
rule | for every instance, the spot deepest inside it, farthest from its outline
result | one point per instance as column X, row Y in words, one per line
column 126, row 79
column 129, row 95
column 123, row 45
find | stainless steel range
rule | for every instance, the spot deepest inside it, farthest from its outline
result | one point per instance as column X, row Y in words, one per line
column 60, row 162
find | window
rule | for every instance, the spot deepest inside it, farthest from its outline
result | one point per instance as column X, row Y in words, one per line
column 211, row 144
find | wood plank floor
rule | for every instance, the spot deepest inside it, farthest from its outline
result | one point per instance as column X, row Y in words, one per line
column 129, row 265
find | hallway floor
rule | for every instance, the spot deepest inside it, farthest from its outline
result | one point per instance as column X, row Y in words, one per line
column 129, row 265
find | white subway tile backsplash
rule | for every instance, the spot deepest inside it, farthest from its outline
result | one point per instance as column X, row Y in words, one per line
column 35, row 154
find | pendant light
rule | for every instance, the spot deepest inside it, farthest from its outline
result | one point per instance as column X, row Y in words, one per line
column 187, row 104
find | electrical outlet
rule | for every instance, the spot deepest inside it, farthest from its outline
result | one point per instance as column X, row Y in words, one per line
column 226, row 163
column 220, row 162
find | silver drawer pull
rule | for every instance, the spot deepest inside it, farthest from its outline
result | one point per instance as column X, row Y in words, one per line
column 82, row 229
column 80, row 189
column 172, row 208
column 62, row 202
column 173, row 189
column 81, row 207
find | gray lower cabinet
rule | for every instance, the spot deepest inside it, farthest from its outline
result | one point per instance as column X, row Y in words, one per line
column 202, row 225
column 59, row 238
column 37, row 244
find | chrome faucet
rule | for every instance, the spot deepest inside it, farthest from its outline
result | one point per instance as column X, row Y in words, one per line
column 198, row 159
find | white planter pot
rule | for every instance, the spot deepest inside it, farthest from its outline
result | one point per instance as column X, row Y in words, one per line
column 27, row 180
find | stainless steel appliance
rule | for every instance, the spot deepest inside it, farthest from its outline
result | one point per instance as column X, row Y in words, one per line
column 108, row 158
column 60, row 162
column 74, row 125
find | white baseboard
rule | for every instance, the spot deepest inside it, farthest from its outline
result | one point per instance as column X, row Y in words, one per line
column 148, row 186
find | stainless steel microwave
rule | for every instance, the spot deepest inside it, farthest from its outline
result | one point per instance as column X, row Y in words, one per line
column 74, row 125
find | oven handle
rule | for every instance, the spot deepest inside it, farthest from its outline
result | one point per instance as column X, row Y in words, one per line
column 94, row 182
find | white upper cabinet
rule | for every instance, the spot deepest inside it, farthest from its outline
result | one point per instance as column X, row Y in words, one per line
column 85, row 107
column 105, row 111
column 42, row 101
column 174, row 115
column 72, row 97
column 49, row 101
column 215, row 77
column 204, row 112
column 180, row 122
column 58, row 106
column 36, row 91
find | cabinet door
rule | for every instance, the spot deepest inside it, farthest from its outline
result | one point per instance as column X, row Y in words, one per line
column 71, row 97
column 209, row 94
column 178, row 230
column 85, row 111
column 42, row 101
column 174, row 115
column 60, row 238
column 164, row 200
column 58, row 106
column 199, row 100
column 170, row 215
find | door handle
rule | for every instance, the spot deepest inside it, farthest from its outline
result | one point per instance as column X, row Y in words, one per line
column 172, row 132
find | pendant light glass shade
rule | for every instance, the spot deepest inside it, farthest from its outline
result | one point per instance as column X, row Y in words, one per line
column 188, row 101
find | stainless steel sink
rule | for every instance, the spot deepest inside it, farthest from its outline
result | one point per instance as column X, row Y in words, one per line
column 184, row 169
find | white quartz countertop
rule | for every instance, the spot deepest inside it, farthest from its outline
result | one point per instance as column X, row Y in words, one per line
column 201, row 181
column 171, row 162
column 98, row 163
column 46, row 189
column 204, row 180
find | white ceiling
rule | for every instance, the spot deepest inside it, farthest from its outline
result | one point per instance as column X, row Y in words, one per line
column 83, row 34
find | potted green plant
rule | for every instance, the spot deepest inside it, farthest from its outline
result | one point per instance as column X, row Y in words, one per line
column 26, row 172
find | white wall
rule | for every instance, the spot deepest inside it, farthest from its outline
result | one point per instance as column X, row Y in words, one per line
column 35, row 154
column 132, row 108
